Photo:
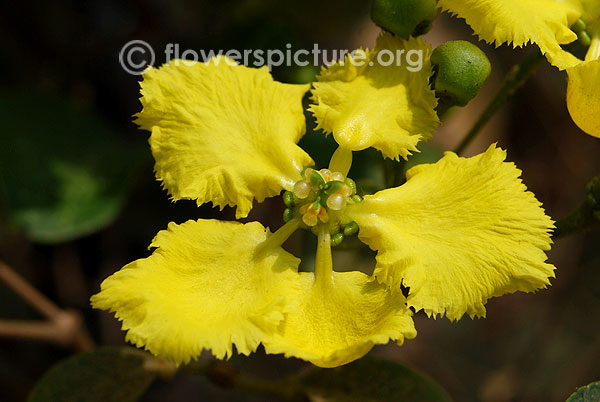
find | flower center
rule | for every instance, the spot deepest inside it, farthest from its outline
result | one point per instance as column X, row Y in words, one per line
column 320, row 199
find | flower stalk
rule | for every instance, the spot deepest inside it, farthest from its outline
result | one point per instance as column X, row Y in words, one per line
column 586, row 216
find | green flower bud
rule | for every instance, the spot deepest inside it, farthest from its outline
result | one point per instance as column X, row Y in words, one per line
column 288, row 199
column 404, row 17
column 350, row 229
column 337, row 239
column 460, row 70
column 584, row 38
column 356, row 198
column 351, row 184
column 288, row 214
column 579, row 26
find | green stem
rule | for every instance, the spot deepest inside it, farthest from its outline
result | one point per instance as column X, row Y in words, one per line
column 586, row 216
column 514, row 80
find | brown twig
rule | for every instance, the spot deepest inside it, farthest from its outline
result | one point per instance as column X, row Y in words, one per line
column 64, row 327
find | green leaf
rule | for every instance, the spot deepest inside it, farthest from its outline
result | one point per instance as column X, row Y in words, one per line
column 588, row 393
column 63, row 172
column 108, row 374
column 372, row 380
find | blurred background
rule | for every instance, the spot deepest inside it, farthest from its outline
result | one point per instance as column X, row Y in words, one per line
column 79, row 200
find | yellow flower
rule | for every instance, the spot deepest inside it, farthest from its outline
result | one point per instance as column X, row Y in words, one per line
column 404, row 114
column 549, row 24
column 457, row 233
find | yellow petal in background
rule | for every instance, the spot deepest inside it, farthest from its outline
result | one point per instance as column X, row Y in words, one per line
column 204, row 287
column 458, row 232
column 543, row 22
column 223, row 133
column 583, row 96
column 333, row 323
column 591, row 16
column 365, row 103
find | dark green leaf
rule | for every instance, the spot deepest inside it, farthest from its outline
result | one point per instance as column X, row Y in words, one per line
column 103, row 375
column 63, row 172
column 373, row 380
column 588, row 393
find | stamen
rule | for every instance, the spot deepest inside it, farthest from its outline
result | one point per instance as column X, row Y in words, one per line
column 336, row 202
column 337, row 176
column 302, row 189
column 310, row 218
column 323, row 215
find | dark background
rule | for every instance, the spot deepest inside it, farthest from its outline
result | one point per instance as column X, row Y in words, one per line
column 530, row 347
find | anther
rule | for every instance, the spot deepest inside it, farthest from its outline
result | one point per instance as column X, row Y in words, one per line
column 351, row 184
column 302, row 189
column 310, row 217
column 337, row 176
column 336, row 201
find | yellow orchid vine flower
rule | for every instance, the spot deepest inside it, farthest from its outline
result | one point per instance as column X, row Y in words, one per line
column 457, row 233
column 549, row 24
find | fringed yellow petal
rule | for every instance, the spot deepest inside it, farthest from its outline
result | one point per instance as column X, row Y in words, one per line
column 335, row 323
column 388, row 107
column 583, row 96
column 204, row 287
column 543, row 22
column 458, row 232
column 222, row 132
